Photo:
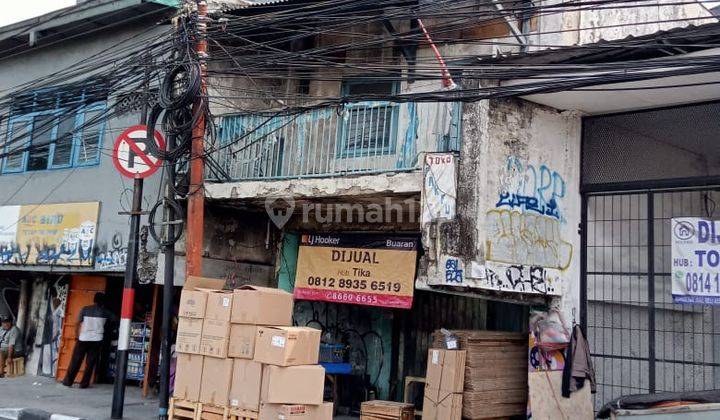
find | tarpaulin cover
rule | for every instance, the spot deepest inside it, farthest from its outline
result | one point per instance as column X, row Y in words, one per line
column 645, row 401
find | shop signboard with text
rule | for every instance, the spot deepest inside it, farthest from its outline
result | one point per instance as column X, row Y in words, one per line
column 48, row 234
column 695, row 253
column 362, row 269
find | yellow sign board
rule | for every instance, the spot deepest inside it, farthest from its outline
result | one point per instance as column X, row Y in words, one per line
column 357, row 268
column 48, row 234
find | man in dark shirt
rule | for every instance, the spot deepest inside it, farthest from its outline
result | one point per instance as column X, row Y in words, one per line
column 93, row 321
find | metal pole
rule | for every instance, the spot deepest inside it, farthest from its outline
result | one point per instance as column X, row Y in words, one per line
column 168, row 284
column 196, row 199
column 128, row 297
column 651, row 289
column 128, row 301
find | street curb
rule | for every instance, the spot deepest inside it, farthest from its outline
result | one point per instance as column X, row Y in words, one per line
column 32, row 414
column 9, row 413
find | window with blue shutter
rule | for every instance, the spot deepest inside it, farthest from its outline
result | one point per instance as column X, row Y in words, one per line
column 53, row 129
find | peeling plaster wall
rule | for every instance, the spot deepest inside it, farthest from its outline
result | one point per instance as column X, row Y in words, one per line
column 403, row 182
column 653, row 13
column 236, row 235
column 558, row 29
column 518, row 205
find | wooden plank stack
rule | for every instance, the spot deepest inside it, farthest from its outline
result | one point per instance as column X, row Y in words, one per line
column 496, row 372
column 386, row 410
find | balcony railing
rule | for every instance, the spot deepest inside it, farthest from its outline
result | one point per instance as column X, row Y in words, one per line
column 367, row 137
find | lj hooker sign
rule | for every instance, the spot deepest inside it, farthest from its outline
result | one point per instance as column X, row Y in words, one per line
column 357, row 268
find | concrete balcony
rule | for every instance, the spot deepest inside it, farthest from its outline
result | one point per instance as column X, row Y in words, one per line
column 359, row 148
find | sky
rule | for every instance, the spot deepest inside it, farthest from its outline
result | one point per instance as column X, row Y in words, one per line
column 26, row 9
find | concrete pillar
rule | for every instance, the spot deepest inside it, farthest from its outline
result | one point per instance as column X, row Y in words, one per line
column 23, row 304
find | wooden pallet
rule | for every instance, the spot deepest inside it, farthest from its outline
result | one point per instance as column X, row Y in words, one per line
column 187, row 410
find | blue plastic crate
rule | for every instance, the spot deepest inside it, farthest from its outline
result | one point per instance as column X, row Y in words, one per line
column 332, row 353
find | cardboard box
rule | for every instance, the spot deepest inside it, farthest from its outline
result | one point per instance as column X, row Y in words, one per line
column 446, row 370
column 215, row 382
column 219, row 305
column 323, row 411
column 442, row 406
column 187, row 371
column 242, row 341
column 192, row 303
column 293, row 384
column 215, row 338
column 262, row 306
column 287, row 346
column 193, row 298
column 189, row 334
column 379, row 409
column 246, row 383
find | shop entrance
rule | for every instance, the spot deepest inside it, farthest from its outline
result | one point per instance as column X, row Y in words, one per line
column 639, row 171
column 80, row 294
column 641, row 341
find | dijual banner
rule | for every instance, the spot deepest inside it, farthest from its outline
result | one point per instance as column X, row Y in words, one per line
column 695, row 252
column 361, row 269
column 48, row 234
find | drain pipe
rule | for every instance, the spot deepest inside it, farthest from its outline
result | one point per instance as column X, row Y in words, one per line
column 447, row 79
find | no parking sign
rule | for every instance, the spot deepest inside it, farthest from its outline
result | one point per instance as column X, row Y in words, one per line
column 132, row 156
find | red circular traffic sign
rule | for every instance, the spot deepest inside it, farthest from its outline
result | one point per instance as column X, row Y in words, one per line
column 131, row 154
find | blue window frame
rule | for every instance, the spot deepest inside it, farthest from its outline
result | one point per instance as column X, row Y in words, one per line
column 368, row 128
column 54, row 129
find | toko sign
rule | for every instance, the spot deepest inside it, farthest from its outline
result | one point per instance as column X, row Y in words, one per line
column 695, row 260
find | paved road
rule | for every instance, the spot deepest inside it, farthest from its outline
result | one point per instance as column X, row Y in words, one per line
column 92, row 403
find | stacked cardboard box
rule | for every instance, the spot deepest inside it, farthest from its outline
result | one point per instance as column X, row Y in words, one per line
column 444, row 384
column 238, row 350
column 496, row 372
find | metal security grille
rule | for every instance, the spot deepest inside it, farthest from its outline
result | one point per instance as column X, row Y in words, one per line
column 641, row 342
column 659, row 144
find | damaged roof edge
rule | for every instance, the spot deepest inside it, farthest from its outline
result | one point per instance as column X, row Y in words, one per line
column 76, row 13
column 222, row 6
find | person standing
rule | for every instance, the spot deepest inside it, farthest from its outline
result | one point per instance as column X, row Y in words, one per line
column 11, row 343
column 92, row 323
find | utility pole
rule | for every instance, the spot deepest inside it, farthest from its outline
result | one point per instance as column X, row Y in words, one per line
column 196, row 199
column 168, row 284
column 128, row 296
column 195, row 212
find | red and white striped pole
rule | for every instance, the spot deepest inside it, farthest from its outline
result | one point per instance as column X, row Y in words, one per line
column 447, row 78
column 128, row 302
column 126, row 313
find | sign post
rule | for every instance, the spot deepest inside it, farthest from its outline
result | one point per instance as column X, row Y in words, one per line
column 132, row 158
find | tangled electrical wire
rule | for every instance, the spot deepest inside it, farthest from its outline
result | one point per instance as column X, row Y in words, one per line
column 178, row 92
column 284, row 52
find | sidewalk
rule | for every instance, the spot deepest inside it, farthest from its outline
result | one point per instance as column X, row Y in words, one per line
column 92, row 403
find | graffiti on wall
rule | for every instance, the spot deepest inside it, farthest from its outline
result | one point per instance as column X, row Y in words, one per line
column 48, row 234
column 56, row 300
column 453, row 271
column 112, row 256
column 525, row 238
column 524, row 248
column 522, row 278
column 528, row 188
